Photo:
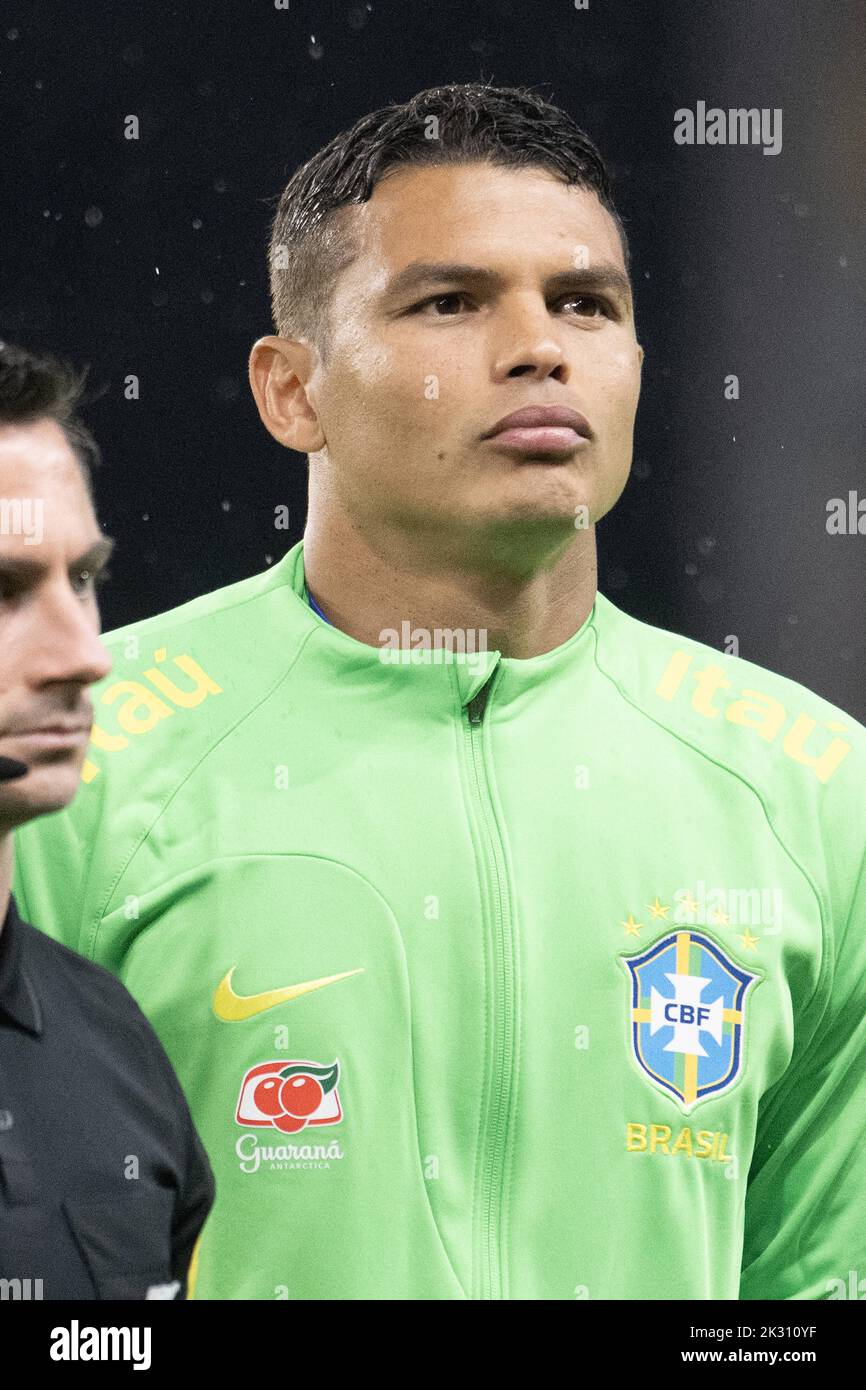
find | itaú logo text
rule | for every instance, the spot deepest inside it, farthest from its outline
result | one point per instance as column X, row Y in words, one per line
column 137, row 708
column 752, row 709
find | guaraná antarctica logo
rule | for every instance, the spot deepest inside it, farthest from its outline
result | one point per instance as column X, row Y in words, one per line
column 288, row 1096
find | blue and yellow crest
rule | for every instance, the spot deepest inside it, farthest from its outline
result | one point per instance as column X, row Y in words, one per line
column 688, row 1014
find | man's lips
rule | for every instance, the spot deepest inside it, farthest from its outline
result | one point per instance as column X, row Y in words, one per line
column 59, row 735
column 541, row 429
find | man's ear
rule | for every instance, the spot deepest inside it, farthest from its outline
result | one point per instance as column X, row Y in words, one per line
column 279, row 371
column 641, row 351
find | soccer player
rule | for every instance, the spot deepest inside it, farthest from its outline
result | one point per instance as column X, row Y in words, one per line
column 507, row 947
column 104, row 1184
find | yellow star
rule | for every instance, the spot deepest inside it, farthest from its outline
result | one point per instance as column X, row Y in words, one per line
column 750, row 943
column 690, row 904
column 632, row 927
column 656, row 908
column 721, row 917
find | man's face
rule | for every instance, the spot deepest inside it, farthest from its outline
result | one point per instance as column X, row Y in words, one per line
column 50, row 549
column 423, row 364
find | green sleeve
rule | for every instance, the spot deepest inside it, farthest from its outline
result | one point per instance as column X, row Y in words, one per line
column 805, row 1218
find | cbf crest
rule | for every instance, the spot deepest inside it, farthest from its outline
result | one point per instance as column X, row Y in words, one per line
column 688, row 1015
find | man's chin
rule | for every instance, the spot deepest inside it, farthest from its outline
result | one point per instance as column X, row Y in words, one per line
column 554, row 517
column 45, row 789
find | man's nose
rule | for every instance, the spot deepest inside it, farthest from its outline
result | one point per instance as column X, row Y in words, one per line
column 69, row 644
column 528, row 343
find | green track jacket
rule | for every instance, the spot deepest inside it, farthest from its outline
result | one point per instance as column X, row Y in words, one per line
column 485, row 978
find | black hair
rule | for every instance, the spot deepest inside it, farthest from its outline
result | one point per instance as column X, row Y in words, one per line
column 34, row 387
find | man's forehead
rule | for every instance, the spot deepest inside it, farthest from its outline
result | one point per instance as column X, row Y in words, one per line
column 45, row 509
column 37, row 457
column 40, row 537
column 457, row 212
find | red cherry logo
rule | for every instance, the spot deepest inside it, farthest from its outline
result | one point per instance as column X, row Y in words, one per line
column 300, row 1095
column 267, row 1096
column 288, row 1123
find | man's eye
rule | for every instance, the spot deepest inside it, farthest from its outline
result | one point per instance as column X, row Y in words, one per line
column 89, row 579
column 589, row 299
column 440, row 299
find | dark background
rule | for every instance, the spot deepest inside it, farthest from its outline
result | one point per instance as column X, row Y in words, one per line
column 149, row 257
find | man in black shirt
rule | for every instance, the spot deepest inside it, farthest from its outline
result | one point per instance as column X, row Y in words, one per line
column 104, row 1184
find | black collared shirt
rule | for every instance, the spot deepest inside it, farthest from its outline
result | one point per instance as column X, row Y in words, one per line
column 104, row 1184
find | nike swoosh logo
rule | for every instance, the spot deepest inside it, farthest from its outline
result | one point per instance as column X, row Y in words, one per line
column 232, row 1007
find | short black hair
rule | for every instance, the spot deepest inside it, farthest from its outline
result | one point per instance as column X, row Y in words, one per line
column 458, row 124
column 34, row 387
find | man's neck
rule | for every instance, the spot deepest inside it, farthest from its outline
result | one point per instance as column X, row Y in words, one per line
column 366, row 586
column 5, row 873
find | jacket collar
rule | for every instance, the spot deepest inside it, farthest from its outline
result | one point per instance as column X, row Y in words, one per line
column 19, row 1002
column 432, row 675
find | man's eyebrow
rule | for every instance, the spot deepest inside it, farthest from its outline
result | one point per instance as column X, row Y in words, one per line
column 604, row 275
column 94, row 559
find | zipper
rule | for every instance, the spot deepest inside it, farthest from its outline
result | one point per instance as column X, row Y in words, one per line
column 495, row 1129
